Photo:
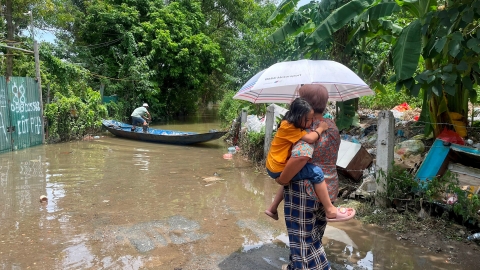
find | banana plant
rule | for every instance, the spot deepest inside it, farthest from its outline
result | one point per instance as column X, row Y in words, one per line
column 348, row 116
column 437, row 51
column 315, row 25
column 445, row 39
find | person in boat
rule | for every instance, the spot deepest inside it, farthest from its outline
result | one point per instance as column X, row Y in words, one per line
column 140, row 116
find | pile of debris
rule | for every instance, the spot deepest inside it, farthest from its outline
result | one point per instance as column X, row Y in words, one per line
column 413, row 151
column 422, row 156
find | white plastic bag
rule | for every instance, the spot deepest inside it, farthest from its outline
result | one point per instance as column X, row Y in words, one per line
column 253, row 124
column 397, row 114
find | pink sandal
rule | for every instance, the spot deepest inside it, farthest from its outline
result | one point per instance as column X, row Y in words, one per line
column 343, row 214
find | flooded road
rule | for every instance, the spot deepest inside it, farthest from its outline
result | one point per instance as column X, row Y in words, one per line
column 120, row 204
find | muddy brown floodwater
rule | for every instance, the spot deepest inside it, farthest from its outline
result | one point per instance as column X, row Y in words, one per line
column 122, row 204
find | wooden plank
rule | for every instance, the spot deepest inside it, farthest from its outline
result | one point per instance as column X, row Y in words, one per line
column 457, row 167
column 352, row 159
column 466, row 175
column 346, row 153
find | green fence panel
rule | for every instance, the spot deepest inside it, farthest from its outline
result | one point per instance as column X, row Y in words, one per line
column 5, row 136
column 25, row 114
column 107, row 99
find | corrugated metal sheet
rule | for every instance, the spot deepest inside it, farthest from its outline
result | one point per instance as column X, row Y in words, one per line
column 25, row 114
column 36, row 120
column 5, row 138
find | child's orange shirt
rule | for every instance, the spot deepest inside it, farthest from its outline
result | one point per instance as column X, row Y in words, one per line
column 281, row 147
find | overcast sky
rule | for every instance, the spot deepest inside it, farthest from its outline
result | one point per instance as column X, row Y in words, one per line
column 303, row 2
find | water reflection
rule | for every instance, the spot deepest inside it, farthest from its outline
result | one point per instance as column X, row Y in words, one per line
column 5, row 199
column 141, row 159
column 339, row 235
column 54, row 192
column 121, row 204
column 205, row 119
column 77, row 255
column 367, row 261
column 248, row 245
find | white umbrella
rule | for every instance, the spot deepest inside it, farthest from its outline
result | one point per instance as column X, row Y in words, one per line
column 280, row 82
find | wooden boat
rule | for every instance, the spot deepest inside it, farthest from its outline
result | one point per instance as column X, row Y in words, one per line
column 159, row 135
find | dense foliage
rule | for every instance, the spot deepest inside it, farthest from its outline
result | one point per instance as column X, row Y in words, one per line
column 176, row 55
column 181, row 54
column 401, row 187
column 70, row 117
column 154, row 53
column 428, row 45
column 389, row 98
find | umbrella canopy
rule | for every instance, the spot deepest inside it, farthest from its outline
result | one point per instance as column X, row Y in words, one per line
column 280, row 82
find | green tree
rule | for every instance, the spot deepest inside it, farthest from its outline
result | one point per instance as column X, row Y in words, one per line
column 75, row 109
column 322, row 32
column 223, row 19
column 253, row 50
column 182, row 54
column 250, row 52
column 435, row 51
column 149, row 52
column 16, row 22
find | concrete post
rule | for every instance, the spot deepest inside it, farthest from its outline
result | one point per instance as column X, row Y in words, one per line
column 243, row 120
column 243, row 117
column 385, row 145
column 269, row 120
column 102, row 88
column 36, row 55
column 38, row 78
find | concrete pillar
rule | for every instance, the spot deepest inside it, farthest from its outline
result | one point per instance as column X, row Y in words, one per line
column 269, row 120
column 243, row 120
column 39, row 81
column 385, row 145
column 102, row 89
column 243, row 117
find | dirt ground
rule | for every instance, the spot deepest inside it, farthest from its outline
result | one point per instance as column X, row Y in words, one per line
column 433, row 228
column 449, row 240
column 432, row 231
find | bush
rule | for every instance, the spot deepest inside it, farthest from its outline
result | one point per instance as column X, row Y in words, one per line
column 467, row 204
column 229, row 108
column 389, row 98
column 401, row 185
column 117, row 111
column 252, row 144
column 72, row 117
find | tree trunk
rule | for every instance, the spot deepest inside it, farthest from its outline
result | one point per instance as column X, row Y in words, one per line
column 8, row 16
